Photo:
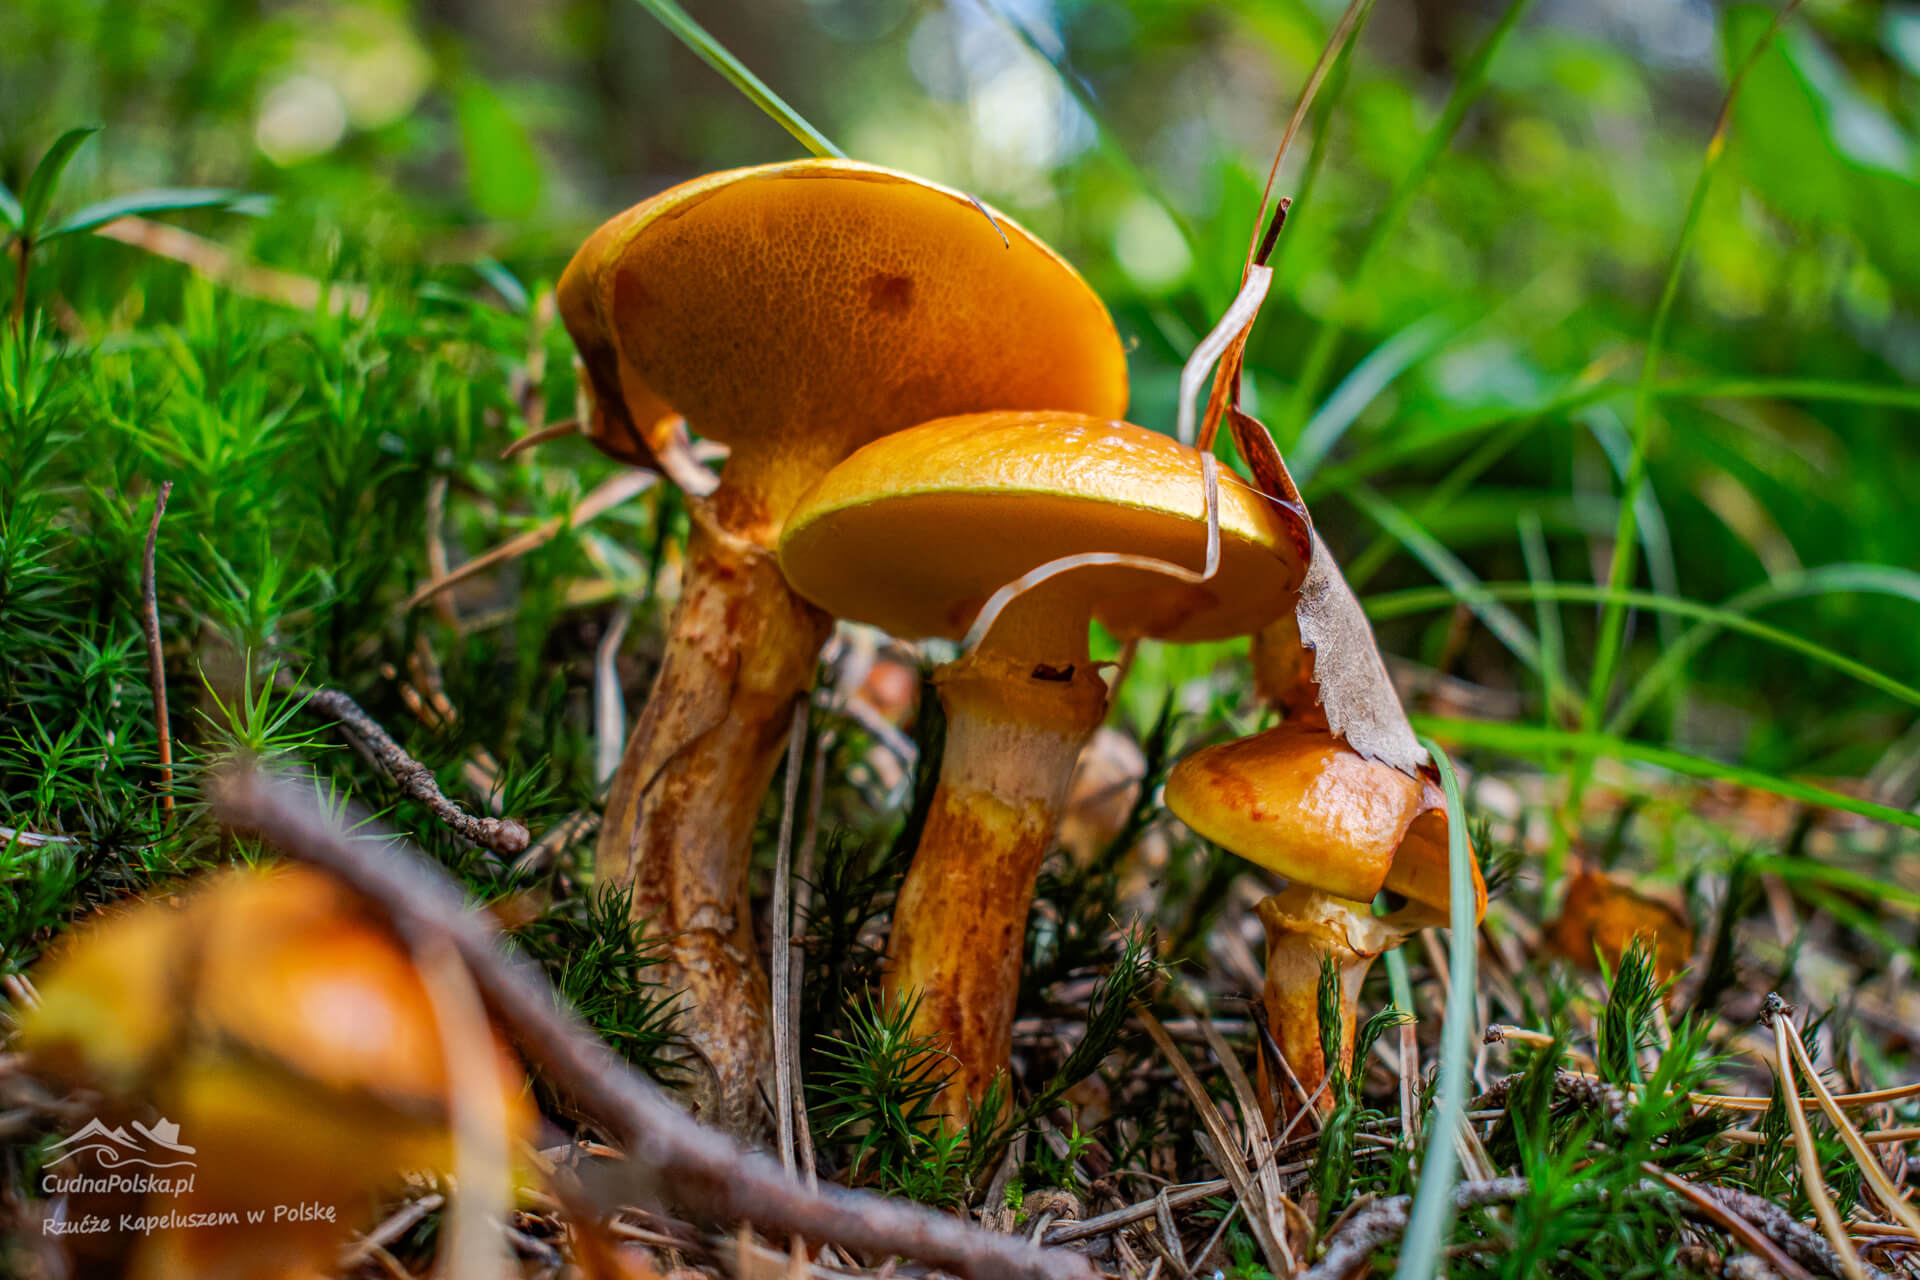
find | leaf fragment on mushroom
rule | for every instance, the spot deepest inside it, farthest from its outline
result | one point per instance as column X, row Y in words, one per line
column 1355, row 690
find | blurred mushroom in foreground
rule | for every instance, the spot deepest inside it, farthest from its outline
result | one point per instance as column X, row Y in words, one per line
column 1300, row 802
column 914, row 533
column 282, row 1057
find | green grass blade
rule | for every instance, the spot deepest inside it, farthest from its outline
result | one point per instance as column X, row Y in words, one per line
column 1613, row 619
column 1466, row 90
column 1431, row 1218
column 1446, row 566
column 1824, row 580
column 721, row 59
column 1879, row 888
column 1731, row 617
column 1790, row 389
column 1656, row 542
column 9, row 208
column 1360, row 388
column 1553, row 643
column 45, row 179
column 158, row 200
column 1535, row 741
column 1405, row 445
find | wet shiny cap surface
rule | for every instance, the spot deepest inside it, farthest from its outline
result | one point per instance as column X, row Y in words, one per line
column 915, row 531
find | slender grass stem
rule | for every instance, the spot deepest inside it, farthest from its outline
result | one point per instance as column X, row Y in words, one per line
column 1613, row 619
column 721, row 59
column 1473, row 78
column 1433, row 1206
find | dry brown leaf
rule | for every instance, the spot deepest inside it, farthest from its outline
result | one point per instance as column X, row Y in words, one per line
column 1356, row 692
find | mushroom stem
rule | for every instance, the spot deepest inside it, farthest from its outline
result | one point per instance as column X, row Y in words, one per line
column 1305, row 927
column 681, row 809
column 1014, row 732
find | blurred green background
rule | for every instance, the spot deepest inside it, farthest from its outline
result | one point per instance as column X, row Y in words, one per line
column 1489, row 198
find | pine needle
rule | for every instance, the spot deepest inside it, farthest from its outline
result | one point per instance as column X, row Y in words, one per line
column 1816, row 1187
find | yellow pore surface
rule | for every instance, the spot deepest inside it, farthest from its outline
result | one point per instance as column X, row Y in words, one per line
column 915, row 531
column 814, row 305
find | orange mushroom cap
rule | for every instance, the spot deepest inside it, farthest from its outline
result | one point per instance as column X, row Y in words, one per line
column 915, row 531
column 808, row 307
column 286, row 966
column 1305, row 805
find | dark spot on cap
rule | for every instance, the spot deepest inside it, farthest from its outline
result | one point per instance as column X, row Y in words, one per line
column 1061, row 675
column 889, row 295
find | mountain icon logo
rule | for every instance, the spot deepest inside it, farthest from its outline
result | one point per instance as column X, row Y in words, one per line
column 114, row 1147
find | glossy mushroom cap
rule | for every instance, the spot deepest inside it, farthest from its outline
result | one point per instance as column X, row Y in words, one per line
column 811, row 306
column 915, row 531
column 1303, row 804
column 283, row 972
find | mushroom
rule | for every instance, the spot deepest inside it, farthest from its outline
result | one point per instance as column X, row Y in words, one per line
column 1339, row 827
column 794, row 312
column 913, row 534
column 272, row 1039
column 1602, row 914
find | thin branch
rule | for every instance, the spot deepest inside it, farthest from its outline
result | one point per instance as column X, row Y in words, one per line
column 502, row 835
column 156, row 662
column 1386, row 1220
column 701, row 1170
column 225, row 267
column 1801, row 1242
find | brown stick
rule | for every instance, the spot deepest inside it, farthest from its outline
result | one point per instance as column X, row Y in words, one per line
column 156, row 663
column 705, row 1173
column 502, row 835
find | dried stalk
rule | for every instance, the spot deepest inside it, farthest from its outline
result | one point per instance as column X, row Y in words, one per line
column 156, row 662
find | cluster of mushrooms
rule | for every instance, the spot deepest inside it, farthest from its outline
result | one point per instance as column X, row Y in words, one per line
column 922, row 403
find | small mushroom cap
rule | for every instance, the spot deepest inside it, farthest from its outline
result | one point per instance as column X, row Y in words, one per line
column 1305, row 805
column 915, row 531
column 825, row 302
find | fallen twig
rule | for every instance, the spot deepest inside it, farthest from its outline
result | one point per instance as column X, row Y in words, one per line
column 1801, row 1242
column 225, row 267
column 502, row 835
column 1584, row 1091
column 1384, row 1221
column 31, row 839
column 701, row 1170
column 156, row 661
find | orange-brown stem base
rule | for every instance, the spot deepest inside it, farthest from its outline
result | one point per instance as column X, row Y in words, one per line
column 960, row 925
column 1304, row 928
column 682, row 807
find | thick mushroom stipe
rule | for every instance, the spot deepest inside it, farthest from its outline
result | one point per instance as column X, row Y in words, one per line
column 960, row 923
column 687, row 795
column 914, row 533
column 795, row 312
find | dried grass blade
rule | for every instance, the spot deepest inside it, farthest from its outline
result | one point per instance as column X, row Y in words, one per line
column 782, row 976
column 1883, row 1187
column 1231, row 1162
column 1816, row 1188
column 603, row 498
column 1258, row 1140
